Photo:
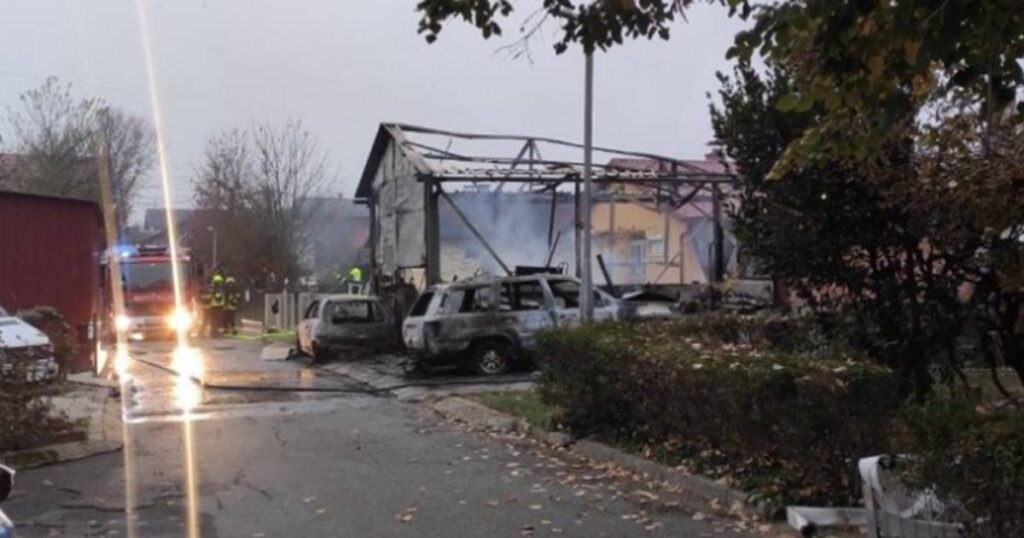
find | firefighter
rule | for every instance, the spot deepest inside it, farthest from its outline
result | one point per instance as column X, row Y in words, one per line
column 355, row 280
column 218, row 300
column 231, row 298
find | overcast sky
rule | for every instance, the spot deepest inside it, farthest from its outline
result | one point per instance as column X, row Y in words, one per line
column 343, row 66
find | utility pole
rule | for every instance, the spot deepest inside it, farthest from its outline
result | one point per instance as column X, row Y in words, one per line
column 587, row 293
column 213, row 264
column 109, row 211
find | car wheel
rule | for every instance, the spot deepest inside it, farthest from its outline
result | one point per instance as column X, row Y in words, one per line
column 320, row 354
column 493, row 357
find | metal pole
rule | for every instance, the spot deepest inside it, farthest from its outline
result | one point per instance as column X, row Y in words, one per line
column 214, row 230
column 587, row 294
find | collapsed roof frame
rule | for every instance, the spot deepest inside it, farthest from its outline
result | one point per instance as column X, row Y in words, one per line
column 434, row 167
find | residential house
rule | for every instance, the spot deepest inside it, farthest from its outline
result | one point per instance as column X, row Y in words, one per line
column 650, row 235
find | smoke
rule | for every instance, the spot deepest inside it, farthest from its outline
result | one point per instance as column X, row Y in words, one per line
column 515, row 224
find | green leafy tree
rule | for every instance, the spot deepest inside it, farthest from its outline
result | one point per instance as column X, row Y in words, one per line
column 871, row 65
column 846, row 243
column 598, row 24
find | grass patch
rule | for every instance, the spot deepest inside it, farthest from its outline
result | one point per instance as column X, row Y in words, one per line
column 280, row 336
column 523, row 404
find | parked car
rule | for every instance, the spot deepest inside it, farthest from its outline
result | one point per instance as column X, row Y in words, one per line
column 491, row 323
column 647, row 305
column 333, row 324
column 25, row 350
column 6, row 485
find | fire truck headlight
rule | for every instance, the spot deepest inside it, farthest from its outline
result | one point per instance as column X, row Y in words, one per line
column 122, row 323
column 180, row 320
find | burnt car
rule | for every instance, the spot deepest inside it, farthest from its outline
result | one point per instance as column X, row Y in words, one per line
column 6, row 484
column 647, row 305
column 337, row 324
column 491, row 323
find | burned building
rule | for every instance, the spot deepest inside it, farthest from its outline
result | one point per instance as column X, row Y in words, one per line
column 444, row 204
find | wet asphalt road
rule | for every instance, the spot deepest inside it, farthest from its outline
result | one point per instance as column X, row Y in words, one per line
column 321, row 464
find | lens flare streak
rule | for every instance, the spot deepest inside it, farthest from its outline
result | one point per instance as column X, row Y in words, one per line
column 187, row 362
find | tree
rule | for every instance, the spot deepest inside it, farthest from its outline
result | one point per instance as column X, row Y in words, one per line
column 257, row 185
column 917, row 251
column 52, row 137
column 872, row 65
column 130, row 145
column 923, row 98
column 597, row 24
column 56, row 138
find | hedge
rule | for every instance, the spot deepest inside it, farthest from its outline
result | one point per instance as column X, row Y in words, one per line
column 973, row 457
column 784, row 426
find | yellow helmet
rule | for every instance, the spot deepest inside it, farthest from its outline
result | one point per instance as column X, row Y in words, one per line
column 217, row 279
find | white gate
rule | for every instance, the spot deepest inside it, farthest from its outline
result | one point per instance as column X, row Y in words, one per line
column 282, row 311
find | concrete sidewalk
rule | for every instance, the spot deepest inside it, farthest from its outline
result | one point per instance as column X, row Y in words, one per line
column 388, row 372
column 97, row 404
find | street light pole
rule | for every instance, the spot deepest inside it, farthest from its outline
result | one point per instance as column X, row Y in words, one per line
column 587, row 293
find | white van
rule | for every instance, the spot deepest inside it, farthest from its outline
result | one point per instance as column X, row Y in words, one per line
column 24, row 351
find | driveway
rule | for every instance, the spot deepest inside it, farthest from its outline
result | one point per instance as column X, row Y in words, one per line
column 343, row 463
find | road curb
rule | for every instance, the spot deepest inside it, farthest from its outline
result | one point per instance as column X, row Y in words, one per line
column 54, row 454
column 475, row 414
column 698, row 488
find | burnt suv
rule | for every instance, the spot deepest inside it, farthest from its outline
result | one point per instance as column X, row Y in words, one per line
column 491, row 323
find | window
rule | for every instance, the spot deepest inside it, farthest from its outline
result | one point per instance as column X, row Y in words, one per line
column 527, row 295
column 567, row 294
column 150, row 275
column 637, row 259
column 312, row 309
column 354, row 312
column 479, row 299
column 656, row 248
column 419, row 308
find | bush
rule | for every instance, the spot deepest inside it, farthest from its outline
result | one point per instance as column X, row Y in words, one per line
column 974, row 459
column 52, row 323
column 783, row 426
column 26, row 416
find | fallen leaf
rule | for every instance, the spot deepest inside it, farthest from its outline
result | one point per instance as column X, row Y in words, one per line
column 646, row 494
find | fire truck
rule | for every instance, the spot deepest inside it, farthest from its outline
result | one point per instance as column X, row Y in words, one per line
column 147, row 277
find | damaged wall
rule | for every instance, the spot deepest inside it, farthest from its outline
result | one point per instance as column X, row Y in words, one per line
column 400, row 212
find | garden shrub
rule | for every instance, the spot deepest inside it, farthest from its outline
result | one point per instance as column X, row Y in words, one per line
column 973, row 457
column 784, row 426
column 53, row 324
column 26, row 417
